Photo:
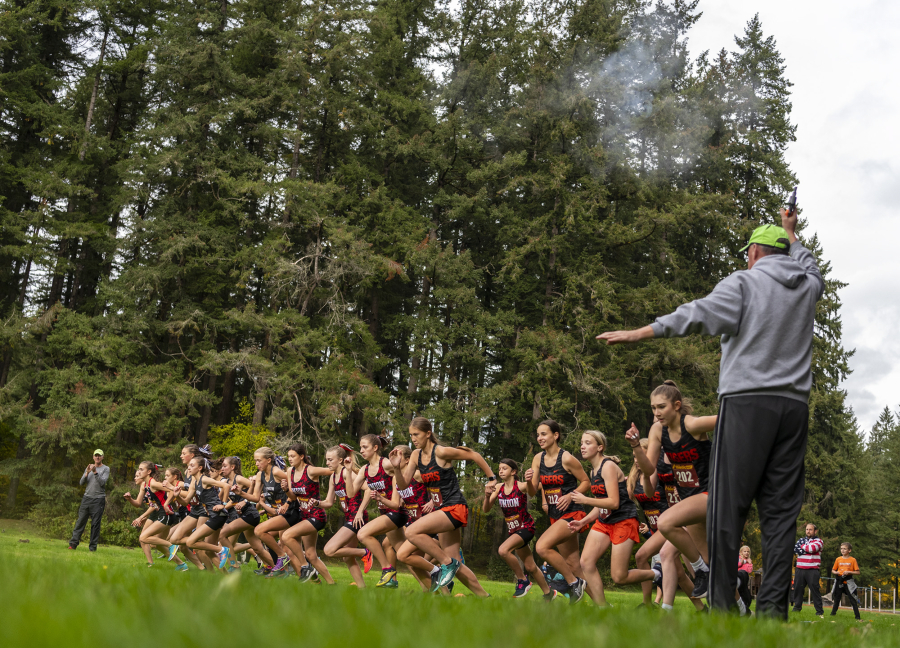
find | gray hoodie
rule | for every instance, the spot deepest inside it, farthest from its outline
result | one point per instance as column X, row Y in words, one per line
column 765, row 317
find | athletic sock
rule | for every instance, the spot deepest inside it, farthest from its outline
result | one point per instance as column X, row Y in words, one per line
column 667, row 607
column 742, row 607
column 434, row 570
column 573, row 583
column 700, row 565
column 388, row 568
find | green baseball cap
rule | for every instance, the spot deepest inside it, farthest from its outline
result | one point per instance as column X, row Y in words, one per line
column 770, row 235
column 98, row 451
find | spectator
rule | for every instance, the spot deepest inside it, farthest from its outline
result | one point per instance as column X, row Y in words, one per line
column 845, row 568
column 94, row 501
column 745, row 570
column 809, row 559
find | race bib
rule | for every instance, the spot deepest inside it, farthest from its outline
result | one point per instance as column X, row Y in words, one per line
column 552, row 495
column 412, row 511
column 435, row 493
column 604, row 513
column 672, row 496
column 513, row 523
column 304, row 503
column 686, row 475
column 344, row 507
column 652, row 519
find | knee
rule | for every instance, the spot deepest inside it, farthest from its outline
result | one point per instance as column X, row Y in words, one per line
column 329, row 550
column 619, row 575
column 404, row 552
column 587, row 566
column 542, row 547
column 504, row 552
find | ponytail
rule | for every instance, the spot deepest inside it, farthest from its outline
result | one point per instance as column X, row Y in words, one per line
column 380, row 442
column 300, row 449
column 636, row 470
column 154, row 468
column 342, row 450
column 235, row 463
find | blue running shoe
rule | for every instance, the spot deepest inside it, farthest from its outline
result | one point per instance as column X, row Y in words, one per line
column 223, row 557
column 448, row 572
column 173, row 549
column 181, row 567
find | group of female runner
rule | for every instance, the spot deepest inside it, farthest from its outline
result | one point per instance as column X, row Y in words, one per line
column 422, row 509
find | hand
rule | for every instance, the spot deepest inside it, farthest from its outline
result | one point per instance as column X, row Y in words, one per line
column 529, row 474
column 626, row 337
column 138, row 522
column 489, row 488
column 235, row 487
column 218, row 507
column 563, row 502
column 284, row 484
column 314, row 503
column 358, row 520
column 88, row 469
column 633, row 436
column 577, row 497
column 240, row 505
column 575, row 526
column 127, row 496
column 348, row 461
column 789, row 223
column 643, row 528
column 428, row 507
column 282, row 509
column 395, row 457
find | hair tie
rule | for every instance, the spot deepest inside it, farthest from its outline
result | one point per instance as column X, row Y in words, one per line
column 279, row 461
column 158, row 467
column 346, row 448
column 205, row 450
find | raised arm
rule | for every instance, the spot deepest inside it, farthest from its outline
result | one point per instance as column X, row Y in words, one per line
column 405, row 476
column 533, row 476
column 646, row 460
column 700, row 424
column 449, row 453
column 800, row 254
column 491, row 493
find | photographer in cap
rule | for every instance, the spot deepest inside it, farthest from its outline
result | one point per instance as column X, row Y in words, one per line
column 765, row 315
column 94, row 501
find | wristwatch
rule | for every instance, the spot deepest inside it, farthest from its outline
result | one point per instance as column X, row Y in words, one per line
column 492, row 478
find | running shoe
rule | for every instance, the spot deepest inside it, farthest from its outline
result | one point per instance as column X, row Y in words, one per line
column 149, row 564
column 576, row 591
column 387, row 575
column 181, row 567
column 173, row 549
column 435, row 581
column 315, row 577
column 657, row 580
column 448, row 572
column 391, row 584
column 367, row 562
column 701, row 583
column 289, row 569
column 283, row 562
column 522, row 587
column 552, row 594
column 275, row 574
column 307, row 573
column 223, row 555
column 450, row 587
column 262, row 571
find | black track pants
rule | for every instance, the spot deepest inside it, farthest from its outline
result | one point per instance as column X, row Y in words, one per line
column 804, row 578
column 758, row 452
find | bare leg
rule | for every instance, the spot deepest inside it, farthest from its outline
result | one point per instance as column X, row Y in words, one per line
column 380, row 525
column 595, row 546
column 508, row 551
column 309, row 546
column 537, row 576
column 343, row 544
column 558, row 535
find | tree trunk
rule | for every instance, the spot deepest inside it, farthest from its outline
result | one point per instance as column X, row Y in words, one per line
column 206, row 416
column 223, row 415
column 13, row 491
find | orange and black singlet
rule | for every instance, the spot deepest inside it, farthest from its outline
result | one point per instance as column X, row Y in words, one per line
column 556, row 482
column 626, row 509
column 442, row 483
column 690, row 461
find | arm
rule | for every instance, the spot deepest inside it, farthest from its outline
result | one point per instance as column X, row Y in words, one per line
column 328, row 502
column 814, row 546
column 254, row 494
column 700, row 424
column 448, row 453
column 316, row 473
column 103, row 475
column 533, row 477
column 800, row 254
column 405, row 476
column 367, row 496
column 491, row 493
column 649, row 483
column 646, row 460
column 394, row 502
column 611, row 502
column 575, row 526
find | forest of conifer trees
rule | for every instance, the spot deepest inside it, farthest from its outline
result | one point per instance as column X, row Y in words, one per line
column 248, row 221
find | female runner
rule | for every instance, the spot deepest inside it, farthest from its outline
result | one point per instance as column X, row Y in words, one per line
column 415, row 503
column 685, row 441
column 343, row 487
column 378, row 476
column 196, row 515
column 435, row 463
column 513, row 500
column 654, row 506
column 246, row 517
column 160, row 497
column 206, row 492
column 616, row 523
column 559, row 475
column 304, row 521
column 269, row 494
column 222, row 513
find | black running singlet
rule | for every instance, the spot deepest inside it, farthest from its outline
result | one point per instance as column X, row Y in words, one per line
column 556, row 482
column 514, row 506
column 349, row 505
column 272, row 492
column 442, row 483
column 156, row 499
column 690, row 461
column 380, row 483
column 667, row 480
column 208, row 495
column 626, row 509
column 653, row 506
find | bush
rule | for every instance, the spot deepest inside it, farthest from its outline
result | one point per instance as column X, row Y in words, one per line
column 240, row 438
column 498, row 570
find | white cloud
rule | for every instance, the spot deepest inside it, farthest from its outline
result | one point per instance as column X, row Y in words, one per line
column 842, row 59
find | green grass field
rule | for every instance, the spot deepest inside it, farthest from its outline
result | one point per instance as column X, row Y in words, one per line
column 51, row 596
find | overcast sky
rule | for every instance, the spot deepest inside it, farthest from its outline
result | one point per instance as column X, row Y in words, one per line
column 843, row 60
